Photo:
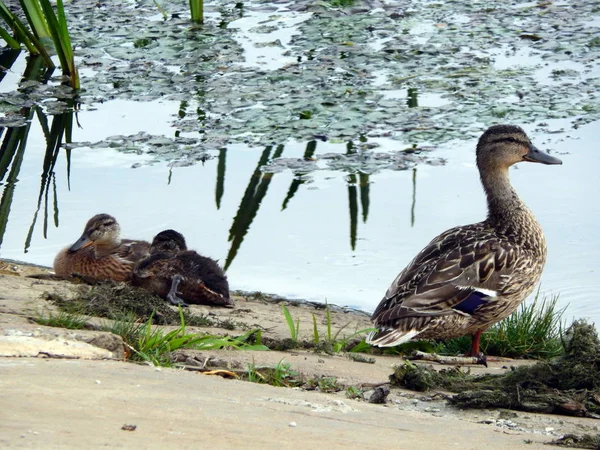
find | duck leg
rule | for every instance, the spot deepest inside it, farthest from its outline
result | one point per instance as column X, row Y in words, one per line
column 475, row 352
column 475, row 343
column 172, row 295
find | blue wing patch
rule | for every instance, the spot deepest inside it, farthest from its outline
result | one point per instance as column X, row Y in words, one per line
column 472, row 302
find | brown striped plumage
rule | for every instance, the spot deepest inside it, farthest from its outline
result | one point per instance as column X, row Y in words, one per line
column 100, row 254
column 472, row 276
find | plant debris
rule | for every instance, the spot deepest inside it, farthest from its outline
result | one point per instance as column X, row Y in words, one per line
column 117, row 300
column 575, row 441
column 568, row 385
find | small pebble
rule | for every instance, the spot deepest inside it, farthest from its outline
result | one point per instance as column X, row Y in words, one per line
column 98, row 381
column 549, row 429
column 293, row 424
column 432, row 410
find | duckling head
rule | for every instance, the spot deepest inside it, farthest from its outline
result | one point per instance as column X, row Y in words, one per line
column 102, row 230
column 501, row 146
column 168, row 241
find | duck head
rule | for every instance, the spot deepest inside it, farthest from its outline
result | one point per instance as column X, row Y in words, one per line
column 168, row 241
column 102, row 230
column 501, row 146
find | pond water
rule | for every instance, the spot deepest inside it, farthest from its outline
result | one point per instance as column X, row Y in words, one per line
column 294, row 218
column 305, row 250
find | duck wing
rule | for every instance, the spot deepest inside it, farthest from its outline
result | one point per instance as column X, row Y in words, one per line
column 132, row 250
column 456, row 273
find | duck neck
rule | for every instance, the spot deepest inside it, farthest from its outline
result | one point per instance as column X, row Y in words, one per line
column 106, row 248
column 505, row 208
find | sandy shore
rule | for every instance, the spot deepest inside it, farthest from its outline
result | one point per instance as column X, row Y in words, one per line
column 72, row 389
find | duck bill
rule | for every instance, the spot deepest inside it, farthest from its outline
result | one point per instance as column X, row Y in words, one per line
column 82, row 242
column 536, row 155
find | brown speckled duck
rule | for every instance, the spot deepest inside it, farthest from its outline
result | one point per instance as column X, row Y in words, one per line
column 100, row 254
column 471, row 276
column 181, row 275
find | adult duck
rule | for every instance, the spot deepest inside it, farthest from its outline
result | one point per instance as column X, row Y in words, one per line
column 100, row 253
column 471, row 276
column 181, row 275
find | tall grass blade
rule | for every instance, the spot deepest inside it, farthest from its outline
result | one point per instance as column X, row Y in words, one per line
column 60, row 35
column 316, row 338
column 162, row 10
column 290, row 322
column 10, row 41
column 197, row 10
column 23, row 35
column 328, row 318
column 35, row 16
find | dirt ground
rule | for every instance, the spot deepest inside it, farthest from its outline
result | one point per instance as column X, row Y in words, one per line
column 72, row 389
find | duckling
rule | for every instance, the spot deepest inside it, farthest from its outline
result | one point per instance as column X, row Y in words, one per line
column 181, row 275
column 100, row 254
column 471, row 276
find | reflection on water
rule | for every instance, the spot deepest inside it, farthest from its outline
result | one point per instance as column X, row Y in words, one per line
column 220, row 187
column 414, row 197
column 12, row 150
column 253, row 196
column 309, row 153
column 336, row 235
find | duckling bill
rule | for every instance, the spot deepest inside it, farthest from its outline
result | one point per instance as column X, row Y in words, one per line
column 472, row 276
column 181, row 275
column 100, row 253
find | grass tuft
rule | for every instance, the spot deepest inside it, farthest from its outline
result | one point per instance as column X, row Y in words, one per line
column 62, row 319
column 282, row 375
column 533, row 331
column 333, row 342
column 154, row 345
column 355, row 393
column 324, row 384
column 294, row 328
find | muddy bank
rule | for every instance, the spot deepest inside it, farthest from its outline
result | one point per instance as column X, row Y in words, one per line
column 349, row 382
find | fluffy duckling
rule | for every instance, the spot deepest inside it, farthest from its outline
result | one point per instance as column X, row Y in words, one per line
column 100, row 253
column 181, row 275
column 471, row 276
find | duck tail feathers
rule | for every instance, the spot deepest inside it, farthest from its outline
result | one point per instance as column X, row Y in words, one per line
column 389, row 337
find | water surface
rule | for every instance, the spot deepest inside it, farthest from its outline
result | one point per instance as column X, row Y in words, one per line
column 305, row 250
column 172, row 117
